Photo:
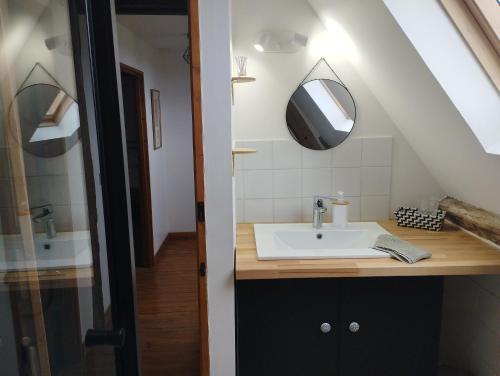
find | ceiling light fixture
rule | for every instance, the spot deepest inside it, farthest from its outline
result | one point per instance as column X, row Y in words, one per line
column 279, row 41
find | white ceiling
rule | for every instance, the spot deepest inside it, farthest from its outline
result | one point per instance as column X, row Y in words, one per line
column 162, row 32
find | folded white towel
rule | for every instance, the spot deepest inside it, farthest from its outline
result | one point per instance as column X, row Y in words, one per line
column 400, row 249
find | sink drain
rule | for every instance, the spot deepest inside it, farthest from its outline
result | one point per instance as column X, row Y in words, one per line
column 319, row 236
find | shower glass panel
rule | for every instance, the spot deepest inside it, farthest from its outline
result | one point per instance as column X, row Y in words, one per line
column 54, row 283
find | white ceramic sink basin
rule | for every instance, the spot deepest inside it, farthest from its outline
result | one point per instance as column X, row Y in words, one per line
column 66, row 250
column 301, row 241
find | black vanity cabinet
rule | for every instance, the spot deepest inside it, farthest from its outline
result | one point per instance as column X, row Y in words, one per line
column 339, row 326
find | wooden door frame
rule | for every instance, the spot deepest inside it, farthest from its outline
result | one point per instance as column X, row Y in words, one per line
column 148, row 254
column 199, row 179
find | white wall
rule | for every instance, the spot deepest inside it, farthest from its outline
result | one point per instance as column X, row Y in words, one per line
column 216, row 100
column 171, row 166
column 259, row 110
column 397, row 76
column 178, row 138
column 449, row 65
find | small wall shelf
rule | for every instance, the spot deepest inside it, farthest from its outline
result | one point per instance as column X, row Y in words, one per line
column 240, row 80
column 242, row 151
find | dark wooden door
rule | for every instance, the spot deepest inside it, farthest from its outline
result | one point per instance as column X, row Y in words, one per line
column 279, row 327
column 399, row 325
column 134, row 114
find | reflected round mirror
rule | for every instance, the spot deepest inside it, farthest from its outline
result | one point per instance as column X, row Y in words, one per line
column 320, row 114
column 48, row 119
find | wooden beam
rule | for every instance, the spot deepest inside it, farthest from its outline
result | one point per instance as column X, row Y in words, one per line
column 479, row 221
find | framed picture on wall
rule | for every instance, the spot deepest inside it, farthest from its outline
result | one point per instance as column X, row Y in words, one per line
column 156, row 114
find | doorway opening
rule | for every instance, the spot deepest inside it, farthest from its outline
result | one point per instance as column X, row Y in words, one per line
column 154, row 54
column 134, row 109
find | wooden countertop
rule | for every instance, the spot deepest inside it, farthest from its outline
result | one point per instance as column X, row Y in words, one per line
column 454, row 252
column 47, row 278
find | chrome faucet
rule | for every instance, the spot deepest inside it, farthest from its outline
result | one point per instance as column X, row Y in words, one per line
column 340, row 211
column 319, row 210
column 44, row 216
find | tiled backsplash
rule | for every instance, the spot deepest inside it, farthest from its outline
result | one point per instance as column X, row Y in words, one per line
column 59, row 181
column 277, row 184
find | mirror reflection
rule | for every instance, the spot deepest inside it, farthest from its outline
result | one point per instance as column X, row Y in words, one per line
column 48, row 119
column 320, row 114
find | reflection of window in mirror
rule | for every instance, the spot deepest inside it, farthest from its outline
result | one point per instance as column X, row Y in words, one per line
column 57, row 109
column 60, row 121
column 329, row 105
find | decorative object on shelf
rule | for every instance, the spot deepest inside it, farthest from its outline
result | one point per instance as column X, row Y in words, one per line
column 321, row 113
column 241, row 151
column 241, row 64
column 156, row 114
column 239, row 80
column 279, row 41
column 412, row 217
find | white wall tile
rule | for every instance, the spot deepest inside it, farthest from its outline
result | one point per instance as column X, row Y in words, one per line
column 262, row 159
column 374, row 208
column 347, row 180
column 375, row 180
column 316, row 181
column 258, row 183
column 240, row 211
column 287, row 183
column 238, row 161
column 286, row 154
column 489, row 306
column 316, row 158
column 287, row 210
column 377, row 151
column 77, row 190
column 239, row 177
column 348, row 154
column 57, row 189
column 354, row 209
column 259, row 211
column 307, row 203
column 291, row 175
column 79, row 217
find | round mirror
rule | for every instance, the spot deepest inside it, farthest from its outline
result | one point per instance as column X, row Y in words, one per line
column 320, row 114
column 48, row 120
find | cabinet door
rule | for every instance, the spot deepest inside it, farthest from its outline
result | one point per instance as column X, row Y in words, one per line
column 399, row 324
column 279, row 327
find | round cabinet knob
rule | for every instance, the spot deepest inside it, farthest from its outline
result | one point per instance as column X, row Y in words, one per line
column 353, row 327
column 325, row 327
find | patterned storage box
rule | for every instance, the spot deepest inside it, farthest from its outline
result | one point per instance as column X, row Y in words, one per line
column 412, row 217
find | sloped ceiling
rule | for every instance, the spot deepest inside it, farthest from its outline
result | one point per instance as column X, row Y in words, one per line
column 416, row 102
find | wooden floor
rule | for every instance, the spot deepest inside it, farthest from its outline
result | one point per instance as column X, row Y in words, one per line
column 168, row 311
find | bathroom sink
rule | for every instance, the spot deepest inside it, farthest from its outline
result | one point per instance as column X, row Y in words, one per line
column 301, row 241
column 66, row 250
